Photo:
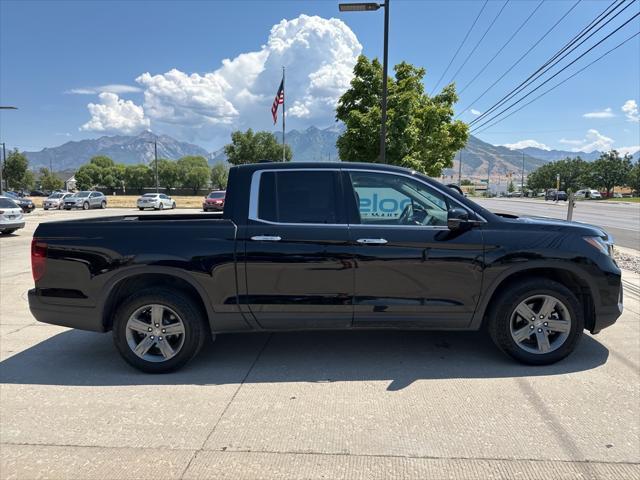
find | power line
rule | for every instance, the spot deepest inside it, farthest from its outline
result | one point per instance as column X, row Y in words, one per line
column 503, row 47
column 562, row 82
column 554, row 75
column 521, row 58
column 557, row 57
column 480, row 41
column 460, row 46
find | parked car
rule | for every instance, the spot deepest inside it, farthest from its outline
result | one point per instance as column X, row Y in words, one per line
column 325, row 246
column 26, row 204
column 556, row 195
column 158, row 201
column 588, row 194
column 55, row 201
column 11, row 218
column 214, row 201
column 37, row 193
column 85, row 200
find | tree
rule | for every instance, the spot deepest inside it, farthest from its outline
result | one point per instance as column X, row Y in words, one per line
column 572, row 173
column 101, row 171
column 136, row 176
column 219, row 176
column 421, row 132
column 466, row 181
column 194, row 172
column 609, row 170
column 88, row 176
column 16, row 171
column 168, row 174
column 633, row 180
column 250, row 147
column 510, row 187
column 49, row 181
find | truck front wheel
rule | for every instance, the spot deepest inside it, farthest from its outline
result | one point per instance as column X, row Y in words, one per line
column 158, row 330
column 538, row 321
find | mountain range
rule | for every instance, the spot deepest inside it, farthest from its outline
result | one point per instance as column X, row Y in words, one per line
column 312, row 144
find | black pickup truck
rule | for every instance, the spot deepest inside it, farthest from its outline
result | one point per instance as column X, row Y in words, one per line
column 326, row 246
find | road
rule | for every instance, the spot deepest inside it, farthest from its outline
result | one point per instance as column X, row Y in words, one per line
column 336, row 405
column 619, row 219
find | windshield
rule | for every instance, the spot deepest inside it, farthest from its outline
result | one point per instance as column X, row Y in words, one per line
column 150, row 195
column 7, row 203
column 82, row 194
column 56, row 195
column 216, row 195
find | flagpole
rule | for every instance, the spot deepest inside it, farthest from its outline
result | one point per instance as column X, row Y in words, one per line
column 283, row 119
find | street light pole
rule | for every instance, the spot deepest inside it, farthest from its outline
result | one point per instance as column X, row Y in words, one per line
column 366, row 7
column 383, row 126
column 522, row 176
column 459, row 167
column 4, row 155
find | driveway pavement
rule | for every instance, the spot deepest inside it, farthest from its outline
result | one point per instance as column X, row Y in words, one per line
column 311, row 405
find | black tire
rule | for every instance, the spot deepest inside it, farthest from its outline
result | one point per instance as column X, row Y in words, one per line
column 161, row 206
column 173, row 205
column 187, row 310
column 140, row 208
column 85, row 206
column 500, row 317
column 9, row 231
column 103, row 205
column 46, row 208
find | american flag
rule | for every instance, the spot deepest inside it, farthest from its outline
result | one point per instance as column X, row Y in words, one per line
column 279, row 100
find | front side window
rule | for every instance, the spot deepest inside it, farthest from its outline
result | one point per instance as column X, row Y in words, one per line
column 298, row 197
column 387, row 199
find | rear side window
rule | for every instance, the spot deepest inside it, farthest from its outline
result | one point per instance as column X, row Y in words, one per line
column 298, row 197
column 6, row 203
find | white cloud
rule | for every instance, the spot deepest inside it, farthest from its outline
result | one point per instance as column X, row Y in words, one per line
column 593, row 140
column 630, row 109
column 115, row 115
column 567, row 141
column 606, row 113
column 319, row 55
column 113, row 88
column 525, row 144
column 475, row 112
column 630, row 150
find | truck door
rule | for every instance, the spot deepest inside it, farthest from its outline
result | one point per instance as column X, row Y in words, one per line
column 299, row 265
column 411, row 270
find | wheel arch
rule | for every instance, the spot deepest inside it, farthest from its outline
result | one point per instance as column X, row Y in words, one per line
column 120, row 287
column 571, row 278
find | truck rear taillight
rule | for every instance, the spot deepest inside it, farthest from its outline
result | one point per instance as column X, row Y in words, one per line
column 38, row 259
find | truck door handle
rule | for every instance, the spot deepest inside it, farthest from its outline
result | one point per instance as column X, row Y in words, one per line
column 372, row 241
column 266, row 238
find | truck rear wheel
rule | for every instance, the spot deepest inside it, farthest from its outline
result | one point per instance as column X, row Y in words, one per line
column 538, row 321
column 158, row 330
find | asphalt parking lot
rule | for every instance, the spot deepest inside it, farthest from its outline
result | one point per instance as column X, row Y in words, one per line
column 310, row 405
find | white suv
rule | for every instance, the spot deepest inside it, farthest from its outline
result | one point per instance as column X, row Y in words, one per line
column 11, row 218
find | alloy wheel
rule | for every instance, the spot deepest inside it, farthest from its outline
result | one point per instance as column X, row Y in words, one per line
column 540, row 324
column 155, row 333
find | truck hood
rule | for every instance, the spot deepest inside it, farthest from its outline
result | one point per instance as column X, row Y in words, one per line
column 557, row 224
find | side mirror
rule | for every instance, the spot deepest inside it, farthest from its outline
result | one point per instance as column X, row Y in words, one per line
column 456, row 218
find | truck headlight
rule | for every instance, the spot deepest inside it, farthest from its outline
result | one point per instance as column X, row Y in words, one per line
column 601, row 244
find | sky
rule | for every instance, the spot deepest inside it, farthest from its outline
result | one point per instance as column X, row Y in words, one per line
column 197, row 70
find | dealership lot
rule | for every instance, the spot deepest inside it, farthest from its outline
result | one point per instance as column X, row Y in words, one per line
column 310, row 405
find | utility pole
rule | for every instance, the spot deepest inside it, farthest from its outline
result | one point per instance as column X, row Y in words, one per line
column 2, row 167
column 459, row 167
column 155, row 149
column 522, row 177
